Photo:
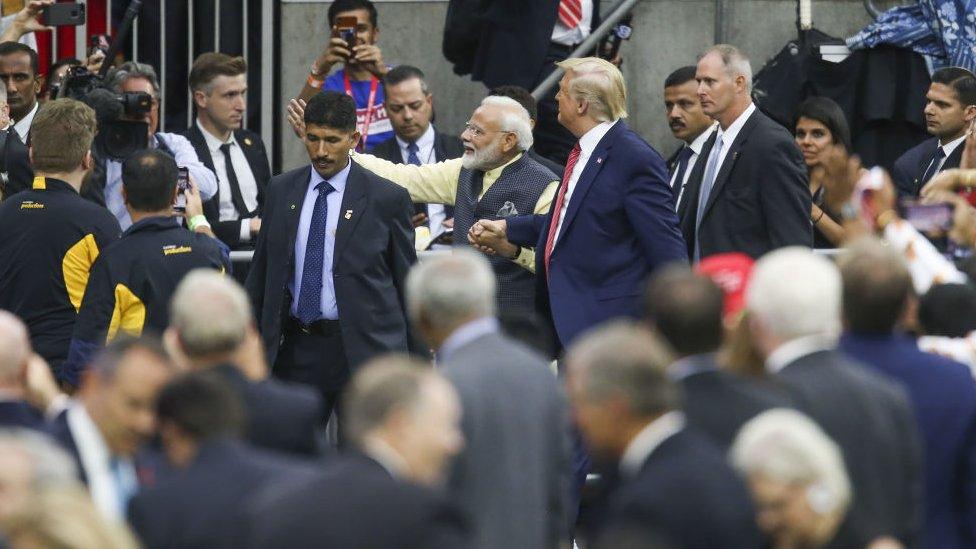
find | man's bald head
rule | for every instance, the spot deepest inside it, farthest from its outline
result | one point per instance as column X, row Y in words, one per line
column 15, row 347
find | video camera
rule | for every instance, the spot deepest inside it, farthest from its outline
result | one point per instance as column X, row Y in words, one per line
column 122, row 129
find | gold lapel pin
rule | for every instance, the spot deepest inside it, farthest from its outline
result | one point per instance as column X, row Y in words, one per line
column 348, row 214
column 247, row 141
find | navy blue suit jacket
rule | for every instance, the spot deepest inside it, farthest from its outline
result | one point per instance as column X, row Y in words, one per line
column 686, row 495
column 944, row 399
column 373, row 252
column 619, row 226
column 20, row 414
column 205, row 504
column 910, row 167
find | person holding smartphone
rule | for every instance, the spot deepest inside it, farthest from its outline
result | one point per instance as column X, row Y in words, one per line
column 131, row 281
column 353, row 45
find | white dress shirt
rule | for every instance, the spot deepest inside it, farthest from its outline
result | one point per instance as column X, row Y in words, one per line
column 729, row 134
column 696, row 148
column 587, row 143
column 425, row 152
column 245, row 179
column 948, row 149
column 22, row 127
column 184, row 154
column 648, row 440
column 561, row 34
column 794, row 350
column 96, row 461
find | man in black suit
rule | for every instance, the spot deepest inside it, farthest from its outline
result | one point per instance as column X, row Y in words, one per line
column 749, row 192
column 689, row 123
column 336, row 238
column 794, row 307
column 410, row 106
column 685, row 309
column 950, row 109
column 113, row 418
column 517, row 42
column 237, row 156
column 212, row 328
column 673, row 483
column 16, row 169
column 403, row 419
column 202, row 502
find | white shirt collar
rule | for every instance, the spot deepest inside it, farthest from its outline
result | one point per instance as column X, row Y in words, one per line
column 466, row 334
column 729, row 134
column 690, row 365
column 384, row 454
column 589, row 140
column 794, row 350
column 22, row 127
column 213, row 142
column 951, row 146
column 646, row 441
column 423, row 142
column 96, row 461
column 699, row 142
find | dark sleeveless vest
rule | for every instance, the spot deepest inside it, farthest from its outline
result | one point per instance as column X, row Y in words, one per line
column 515, row 192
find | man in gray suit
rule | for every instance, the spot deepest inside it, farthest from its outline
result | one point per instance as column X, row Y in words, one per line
column 512, row 477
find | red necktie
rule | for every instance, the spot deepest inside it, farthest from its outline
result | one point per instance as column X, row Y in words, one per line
column 558, row 207
column 570, row 13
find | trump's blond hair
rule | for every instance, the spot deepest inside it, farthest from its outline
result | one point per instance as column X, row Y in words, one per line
column 599, row 83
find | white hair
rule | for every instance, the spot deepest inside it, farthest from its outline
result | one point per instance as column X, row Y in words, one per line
column 736, row 63
column 210, row 312
column 514, row 118
column 50, row 465
column 786, row 446
column 451, row 288
column 795, row 293
column 14, row 347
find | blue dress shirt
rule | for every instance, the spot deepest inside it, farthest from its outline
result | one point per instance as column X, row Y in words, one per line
column 330, row 309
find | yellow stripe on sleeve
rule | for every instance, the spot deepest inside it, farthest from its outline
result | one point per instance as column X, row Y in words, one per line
column 75, row 266
column 129, row 315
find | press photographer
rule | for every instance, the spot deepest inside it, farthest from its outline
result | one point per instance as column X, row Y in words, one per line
column 135, row 100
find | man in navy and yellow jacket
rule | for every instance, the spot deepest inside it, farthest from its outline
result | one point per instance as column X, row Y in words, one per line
column 133, row 279
column 49, row 235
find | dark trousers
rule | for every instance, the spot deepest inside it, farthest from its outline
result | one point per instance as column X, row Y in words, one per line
column 552, row 140
column 315, row 359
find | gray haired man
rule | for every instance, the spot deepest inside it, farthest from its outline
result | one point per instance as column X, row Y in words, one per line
column 512, row 476
column 106, row 184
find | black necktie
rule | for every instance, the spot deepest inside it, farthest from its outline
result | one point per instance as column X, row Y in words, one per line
column 681, row 166
column 933, row 167
column 235, row 187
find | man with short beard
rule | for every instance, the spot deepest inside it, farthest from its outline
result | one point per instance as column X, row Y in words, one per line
column 492, row 180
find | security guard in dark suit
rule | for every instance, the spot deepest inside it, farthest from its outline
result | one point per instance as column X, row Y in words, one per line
column 51, row 235
column 131, row 282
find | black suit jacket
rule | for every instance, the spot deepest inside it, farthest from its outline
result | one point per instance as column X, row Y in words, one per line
column 513, row 39
column 280, row 416
column 374, row 249
column 718, row 403
column 871, row 419
column 257, row 158
column 910, row 167
column 204, row 505
column 20, row 414
column 356, row 504
column 760, row 200
column 20, row 174
column 446, row 147
column 686, row 495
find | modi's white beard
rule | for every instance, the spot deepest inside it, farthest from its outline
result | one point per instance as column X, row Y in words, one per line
column 483, row 159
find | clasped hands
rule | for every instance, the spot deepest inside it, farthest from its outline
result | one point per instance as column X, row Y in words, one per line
column 491, row 238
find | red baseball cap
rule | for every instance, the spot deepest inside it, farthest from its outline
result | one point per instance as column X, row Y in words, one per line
column 731, row 272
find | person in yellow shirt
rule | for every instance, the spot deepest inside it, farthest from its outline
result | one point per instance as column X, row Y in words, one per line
column 494, row 179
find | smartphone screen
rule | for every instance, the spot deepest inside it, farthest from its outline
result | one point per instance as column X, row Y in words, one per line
column 346, row 29
column 182, row 181
column 930, row 219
